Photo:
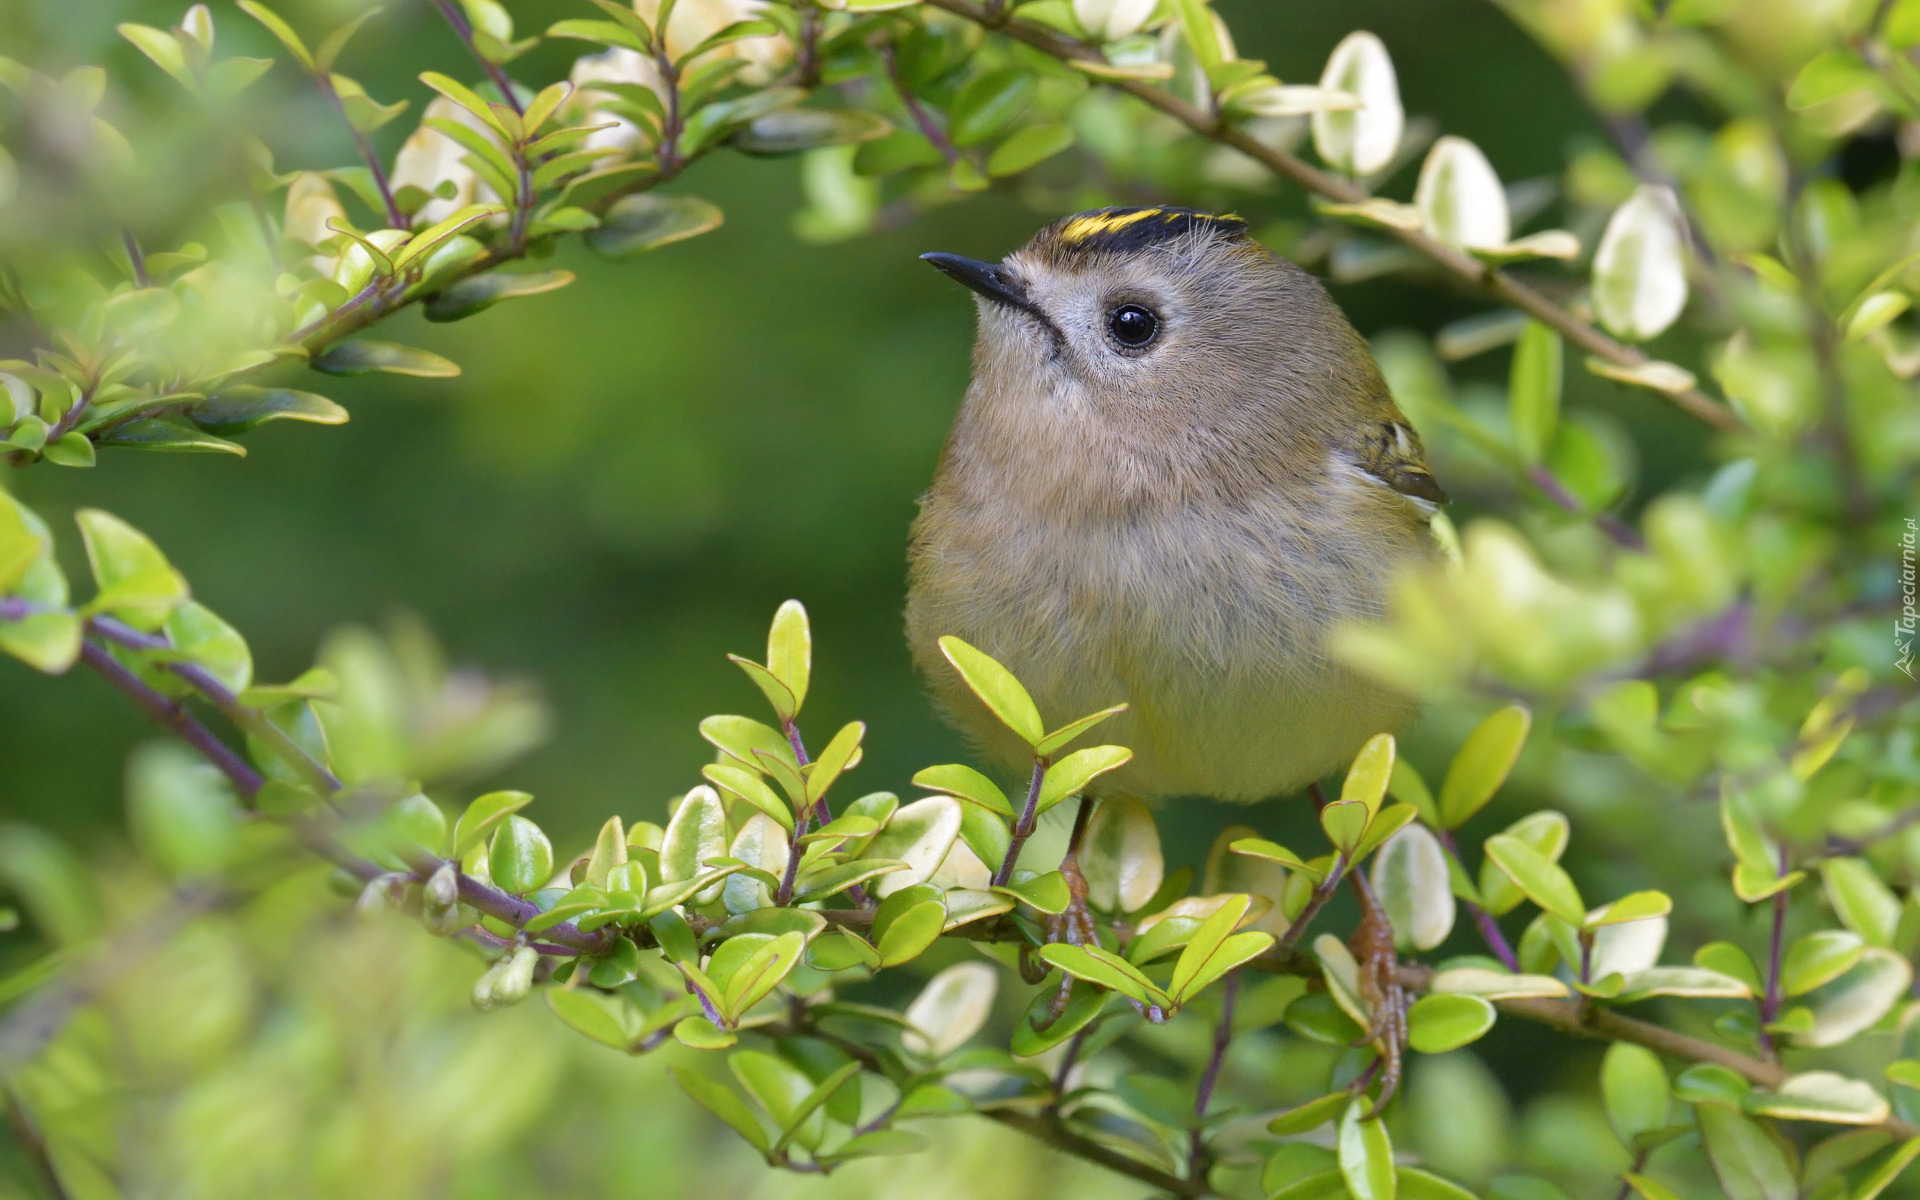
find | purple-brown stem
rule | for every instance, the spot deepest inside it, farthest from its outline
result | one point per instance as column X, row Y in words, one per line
column 1222, row 1038
column 395, row 218
column 1023, row 828
column 1622, row 534
column 136, row 259
column 1482, row 919
column 173, row 715
column 464, row 30
column 1776, row 951
column 922, row 119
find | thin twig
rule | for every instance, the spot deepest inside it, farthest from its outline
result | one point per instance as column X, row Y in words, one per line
column 1197, row 1156
column 464, row 31
column 1499, row 284
column 136, row 259
column 1776, row 953
column 172, row 714
column 1839, row 847
column 1024, row 827
column 1482, row 919
column 1051, row 1130
column 395, row 218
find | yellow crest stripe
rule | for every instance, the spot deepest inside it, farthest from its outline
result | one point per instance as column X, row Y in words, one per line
column 1081, row 229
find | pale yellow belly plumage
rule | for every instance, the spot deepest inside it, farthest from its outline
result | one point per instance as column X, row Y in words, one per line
column 1215, row 639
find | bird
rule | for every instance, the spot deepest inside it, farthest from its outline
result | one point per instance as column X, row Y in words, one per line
column 1176, row 471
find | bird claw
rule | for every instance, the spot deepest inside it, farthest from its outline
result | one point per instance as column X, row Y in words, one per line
column 1372, row 946
column 1072, row 925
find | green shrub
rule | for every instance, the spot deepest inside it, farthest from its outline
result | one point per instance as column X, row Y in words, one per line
column 1698, row 683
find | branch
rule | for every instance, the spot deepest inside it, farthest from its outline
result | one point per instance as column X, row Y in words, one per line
column 1050, row 1129
column 395, row 218
column 1496, row 283
column 464, row 30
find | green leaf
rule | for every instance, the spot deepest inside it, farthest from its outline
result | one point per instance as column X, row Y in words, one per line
column 1215, row 950
column 739, row 738
column 642, row 222
column 722, row 1102
column 1634, row 1085
column 1482, row 764
column 821, row 882
column 200, row 637
column 1057, row 741
column 790, row 651
column 1272, row 852
column 750, row 787
column 169, row 435
column 1821, row 1096
column 918, row 836
column 1366, row 1153
column 1890, row 1169
column 1829, row 76
column 1636, row 906
column 164, row 49
column 695, row 836
column 1750, row 1164
column 1120, row 856
column 1819, row 958
column 70, row 450
column 182, row 812
column 1027, row 148
column 1105, row 969
column 520, row 856
column 1311, row 1115
column 698, row 1033
column 950, row 1009
column 1048, row 893
column 1534, row 390
column 609, row 1018
column 1412, row 880
column 466, row 98
column 997, row 689
column 277, row 26
column 763, row 971
column 1546, row 831
column 966, row 783
column 840, row 753
column 989, row 103
column 1415, row 1184
column 1198, row 30
column 1345, row 823
column 364, row 357
column 793, row 130
column 1071, row 775
column 912, row 932
column 477, row 293
column 1366, row 781
column 1862, row 902
column 1542, row 879
column 841, row 950
column 241, row 408
column 1439, row 1023
column 136, row 582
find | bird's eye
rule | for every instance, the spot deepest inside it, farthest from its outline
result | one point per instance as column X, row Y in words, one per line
column 1133, row 325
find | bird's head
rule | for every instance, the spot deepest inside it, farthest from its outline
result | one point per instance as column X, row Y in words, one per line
column 1161, row 326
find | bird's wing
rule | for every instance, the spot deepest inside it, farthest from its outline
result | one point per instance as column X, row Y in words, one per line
column 1389, row 450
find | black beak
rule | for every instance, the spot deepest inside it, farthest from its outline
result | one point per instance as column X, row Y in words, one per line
column 991, row 280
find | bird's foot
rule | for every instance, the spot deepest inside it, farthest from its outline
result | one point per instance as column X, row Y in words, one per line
column 1372, row 946
column 1072, row 925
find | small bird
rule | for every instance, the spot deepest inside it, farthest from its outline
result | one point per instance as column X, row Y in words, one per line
column 1176, row 470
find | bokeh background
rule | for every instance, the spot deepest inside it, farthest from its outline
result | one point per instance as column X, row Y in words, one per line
column 627, row 478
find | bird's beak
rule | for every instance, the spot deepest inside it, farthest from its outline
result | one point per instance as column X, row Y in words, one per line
column 991, row 280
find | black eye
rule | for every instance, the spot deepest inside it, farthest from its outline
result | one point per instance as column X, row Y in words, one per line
column 1133, row 325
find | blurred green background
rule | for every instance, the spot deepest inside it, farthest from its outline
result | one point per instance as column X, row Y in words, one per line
column 626, row 480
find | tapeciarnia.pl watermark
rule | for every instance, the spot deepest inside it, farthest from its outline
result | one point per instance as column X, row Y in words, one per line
column 1903, row 625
